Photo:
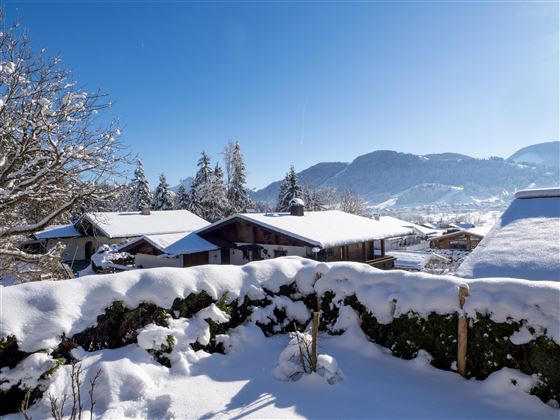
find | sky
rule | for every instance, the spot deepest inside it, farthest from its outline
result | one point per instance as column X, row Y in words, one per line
column 308, row 81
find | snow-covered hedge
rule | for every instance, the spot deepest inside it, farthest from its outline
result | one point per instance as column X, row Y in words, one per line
column 169, row 311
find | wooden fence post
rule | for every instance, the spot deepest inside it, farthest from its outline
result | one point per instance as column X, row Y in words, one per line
column 315, row 330
column 462, row 333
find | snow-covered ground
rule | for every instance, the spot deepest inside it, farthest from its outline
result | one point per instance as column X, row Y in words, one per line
column 246, row 381
column 242, row 383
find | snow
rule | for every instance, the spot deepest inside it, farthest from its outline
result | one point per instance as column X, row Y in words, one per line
column 58, row 231
column 39, row 313
column 420, row 230
column 158, row 241
column 413, row 260
column 538, row 193
column 524, row 243
column 189, row 244
column 132, row 224
column 244, row 382
column 323, row 228
column 27, row 371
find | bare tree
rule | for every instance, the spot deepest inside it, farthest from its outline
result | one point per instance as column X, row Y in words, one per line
column 351, row 202
column 54, row 152
column 57, row 406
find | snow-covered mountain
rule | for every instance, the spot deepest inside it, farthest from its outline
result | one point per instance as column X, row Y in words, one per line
column 405, row 179
column 547, row 154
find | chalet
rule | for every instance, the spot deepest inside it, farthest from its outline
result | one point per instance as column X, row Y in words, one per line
column 92, row 230
column 172, row 250
column 324, row 235
column 524, row 243
column 463, row 240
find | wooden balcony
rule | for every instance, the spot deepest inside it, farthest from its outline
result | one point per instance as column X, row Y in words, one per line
column 386, row 262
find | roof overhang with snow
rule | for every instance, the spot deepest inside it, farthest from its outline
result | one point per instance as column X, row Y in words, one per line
column 133, row 224
column 58, row 232
column 324, row 229
column 524, row 243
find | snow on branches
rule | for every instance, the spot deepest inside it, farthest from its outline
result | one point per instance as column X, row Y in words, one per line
column 54, row 155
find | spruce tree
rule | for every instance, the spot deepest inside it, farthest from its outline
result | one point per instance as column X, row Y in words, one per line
column 164, row 197
column 201, row 187
column 182, row 201
column 289, row 189
column 217, row 203
column 237, row 193
column 141, row 196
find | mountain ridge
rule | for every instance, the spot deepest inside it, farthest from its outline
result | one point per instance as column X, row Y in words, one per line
column 407, row 178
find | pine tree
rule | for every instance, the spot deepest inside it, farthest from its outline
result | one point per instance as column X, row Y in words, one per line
column 289, row 189
column 237, row 193
column 217, row 203
column 201, row 187
column 141, row 194
column 182, row 201
column 164, row 197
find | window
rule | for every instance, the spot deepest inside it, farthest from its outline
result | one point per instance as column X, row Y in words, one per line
column 280, row 253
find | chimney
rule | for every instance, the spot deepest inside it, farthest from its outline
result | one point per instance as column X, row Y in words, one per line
column 296, row 207
column 145, row 211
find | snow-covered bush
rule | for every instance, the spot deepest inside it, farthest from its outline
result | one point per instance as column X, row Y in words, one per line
column 512, row 323
column 295, row 361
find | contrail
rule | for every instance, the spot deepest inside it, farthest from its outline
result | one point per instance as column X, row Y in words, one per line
column 303, row 121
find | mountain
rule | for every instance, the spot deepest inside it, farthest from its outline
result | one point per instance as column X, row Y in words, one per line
column 547, row 154
column 316, row 175
column 404, row 179
column 186, row 182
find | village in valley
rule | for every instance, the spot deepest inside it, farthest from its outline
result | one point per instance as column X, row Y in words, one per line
column 359, row 289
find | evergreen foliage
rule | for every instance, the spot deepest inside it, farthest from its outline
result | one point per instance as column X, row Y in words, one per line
column 141, row 196
column 237, row 193
column 201, row 186
column 218, row 203
column 164, row 197
column 182, row 201
column 289, row 190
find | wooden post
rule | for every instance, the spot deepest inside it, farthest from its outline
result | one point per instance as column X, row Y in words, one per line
column 314, row 333
column 462, row 334
column 315, row 330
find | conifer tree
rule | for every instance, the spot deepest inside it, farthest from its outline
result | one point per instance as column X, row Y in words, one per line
column 217, row 203
column 141, row 194
column 201, row 187
column 289, row 189
column 237, row 193
column 182, row 201
column 164, row 197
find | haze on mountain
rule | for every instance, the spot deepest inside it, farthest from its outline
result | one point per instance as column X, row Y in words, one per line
column 394, row 178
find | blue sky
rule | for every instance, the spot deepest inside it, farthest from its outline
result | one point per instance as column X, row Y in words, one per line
column 304, row 82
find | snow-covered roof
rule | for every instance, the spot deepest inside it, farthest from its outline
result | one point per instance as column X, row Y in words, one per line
column 323, row 228
column 174, row 243
column 524, row 243
column 189, row 244
column 131, row 224
column 414, row 260
column 58, row 231
column 422, row 230
column 470, row 232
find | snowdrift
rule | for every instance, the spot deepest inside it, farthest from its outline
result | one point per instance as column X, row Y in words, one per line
column 170, row 315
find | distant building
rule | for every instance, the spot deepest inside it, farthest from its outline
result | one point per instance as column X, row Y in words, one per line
column 463, row 240
column 82, row 238
column 524, row 243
